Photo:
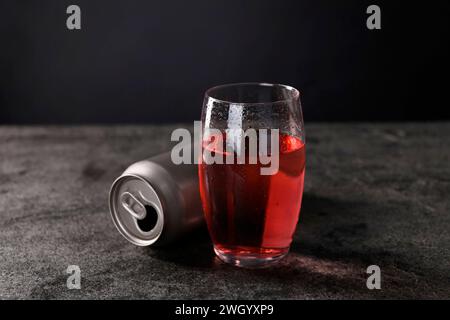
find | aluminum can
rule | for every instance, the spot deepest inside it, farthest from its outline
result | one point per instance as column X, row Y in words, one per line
column 154, row 201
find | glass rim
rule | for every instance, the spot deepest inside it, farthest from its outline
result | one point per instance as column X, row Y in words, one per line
column 295, row 93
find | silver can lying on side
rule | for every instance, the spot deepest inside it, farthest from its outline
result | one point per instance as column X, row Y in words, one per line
column 155, row 201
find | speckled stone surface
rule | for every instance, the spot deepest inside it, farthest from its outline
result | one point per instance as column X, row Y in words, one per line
column 374, row 194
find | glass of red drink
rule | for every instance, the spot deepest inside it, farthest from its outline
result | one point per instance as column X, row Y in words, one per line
column 251, row 204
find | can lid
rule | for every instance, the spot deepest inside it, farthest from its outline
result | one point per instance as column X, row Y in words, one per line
column 136, row 210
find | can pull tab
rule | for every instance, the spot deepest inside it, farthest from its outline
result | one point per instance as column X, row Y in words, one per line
column 133, row 205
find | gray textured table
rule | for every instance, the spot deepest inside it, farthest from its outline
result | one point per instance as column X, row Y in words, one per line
column 374, row 194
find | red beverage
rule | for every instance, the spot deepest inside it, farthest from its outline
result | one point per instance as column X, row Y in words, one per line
column 249, row 214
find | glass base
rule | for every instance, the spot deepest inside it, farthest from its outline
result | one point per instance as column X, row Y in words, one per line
column 248, row 259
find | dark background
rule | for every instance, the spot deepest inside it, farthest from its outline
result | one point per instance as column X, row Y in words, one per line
column 151, row 61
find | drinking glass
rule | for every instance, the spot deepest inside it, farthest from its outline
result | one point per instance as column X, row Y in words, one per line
column 252, row 205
